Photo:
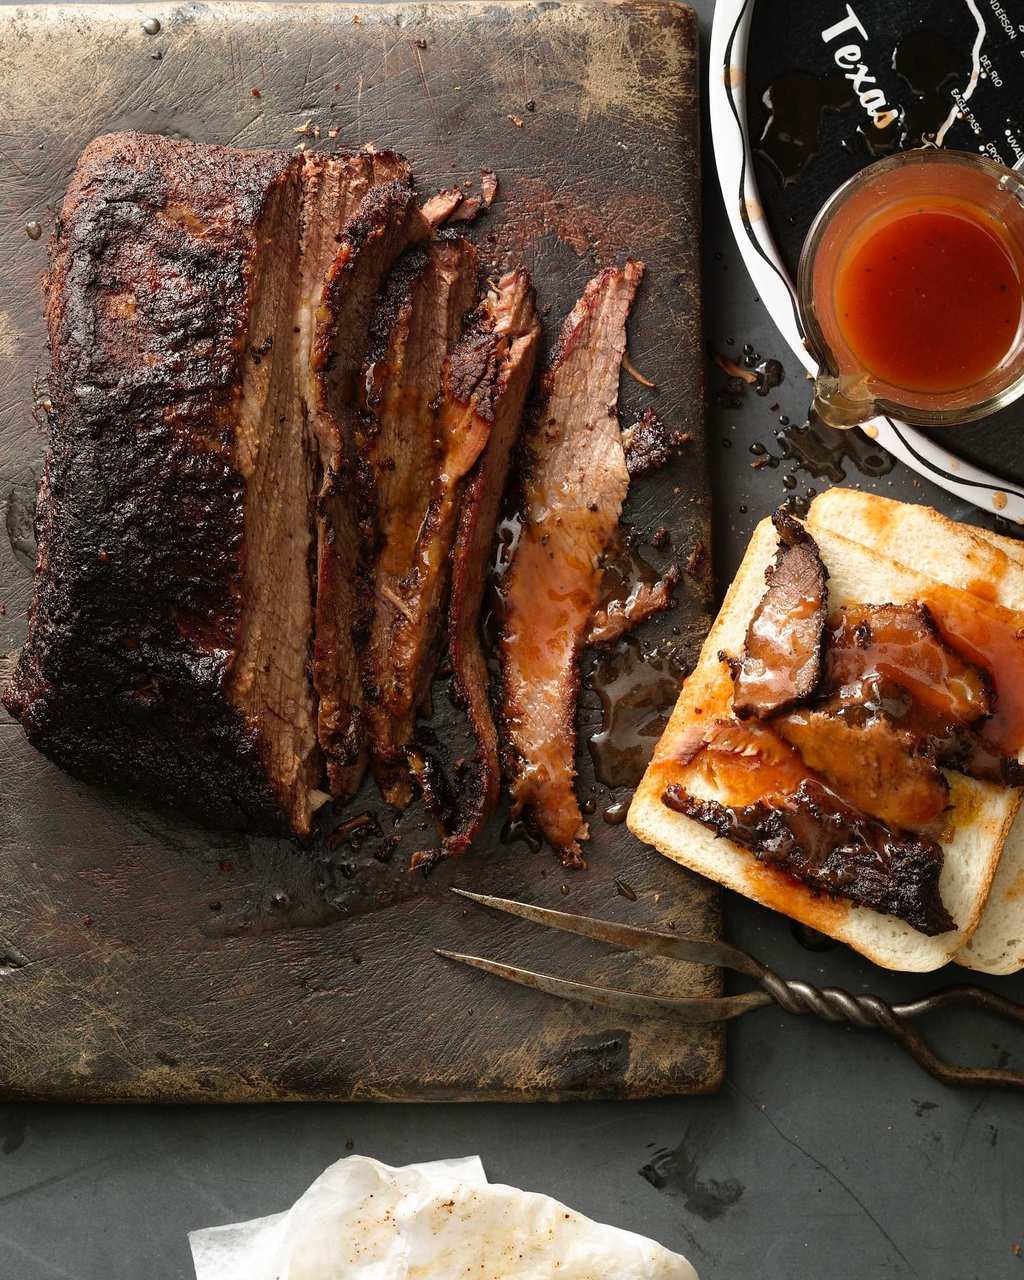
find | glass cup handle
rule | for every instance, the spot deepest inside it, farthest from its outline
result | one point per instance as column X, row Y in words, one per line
column 1012, row 186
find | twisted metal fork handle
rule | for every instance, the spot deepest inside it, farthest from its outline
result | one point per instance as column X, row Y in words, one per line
column 835, row 1005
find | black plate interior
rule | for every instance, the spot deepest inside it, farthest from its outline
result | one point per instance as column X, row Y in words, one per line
column 811, row 129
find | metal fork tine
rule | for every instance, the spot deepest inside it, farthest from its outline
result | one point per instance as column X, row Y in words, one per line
column 628, row 937
column 689, row 1009
column 829, row 1003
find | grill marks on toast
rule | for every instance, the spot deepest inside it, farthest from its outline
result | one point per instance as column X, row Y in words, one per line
column 574, row 487
column 417, row 455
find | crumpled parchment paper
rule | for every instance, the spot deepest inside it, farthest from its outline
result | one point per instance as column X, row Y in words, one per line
column 363, row 1220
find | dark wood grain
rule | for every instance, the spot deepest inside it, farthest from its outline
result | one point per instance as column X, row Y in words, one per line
column 143, row 958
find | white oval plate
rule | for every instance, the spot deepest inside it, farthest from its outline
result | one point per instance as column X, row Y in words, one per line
column 727, row 98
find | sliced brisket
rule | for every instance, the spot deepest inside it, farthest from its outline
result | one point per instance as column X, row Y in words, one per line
column 631, row 592
column 770, row 800
column 891, row 660
column 574, row 487
column 493, row 387
column 781, row 661
column 822, row 841
column 870, row 762
column 419, row 445
column 170, row 634
column 383, row 224
column 901, row 643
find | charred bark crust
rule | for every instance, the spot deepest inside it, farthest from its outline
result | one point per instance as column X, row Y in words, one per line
column 165, row 259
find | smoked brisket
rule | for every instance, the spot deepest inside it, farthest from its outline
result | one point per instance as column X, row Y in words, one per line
column 574, row 487
column 490, row 381
column 414, row 475
column 190, row 287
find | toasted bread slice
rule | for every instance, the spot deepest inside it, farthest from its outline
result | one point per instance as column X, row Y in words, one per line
column 997, row 944
column 957, row 554
column 992, row 567
column 979, row 816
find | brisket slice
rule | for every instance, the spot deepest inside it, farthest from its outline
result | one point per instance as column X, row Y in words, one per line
column 822, row 841
column 384, row 223
column 418, row 447
column 619, row 617
column 891, row 660
column 870, row 762
column 631, row 592
column 488, row 378
column 901, row 643
column 781, row 662
column 172, row 518
column 768, row 799
column 574, row 487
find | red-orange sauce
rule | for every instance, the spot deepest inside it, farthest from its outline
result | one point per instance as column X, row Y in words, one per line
column 991, row 637
column 982, row 587
column 780, row 891
column 929, row 297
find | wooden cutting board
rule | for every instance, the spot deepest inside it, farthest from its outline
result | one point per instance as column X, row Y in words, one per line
column 144, row 958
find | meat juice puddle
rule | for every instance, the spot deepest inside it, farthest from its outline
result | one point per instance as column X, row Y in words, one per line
column 822, row 452
column 637, row 693
column 811, row 446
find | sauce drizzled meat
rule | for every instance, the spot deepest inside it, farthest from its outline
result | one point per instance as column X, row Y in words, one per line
column 631, row 591
column 417, row 455
column 493, row 386
column 819, row 839
column 781, row 660
column 901, row 644
column 274, row 452
column 773, row 803
column 832, row 770
column 871, row 763
column 989, row 636
column 892, row 660
column 645, row 599
column 574, row 487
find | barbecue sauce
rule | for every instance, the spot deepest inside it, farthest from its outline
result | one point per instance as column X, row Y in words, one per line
column 929, row 297
column 815, row 836
column 900, row 644
column 991, row 637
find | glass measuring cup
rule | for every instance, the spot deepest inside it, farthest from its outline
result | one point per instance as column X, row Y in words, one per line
column 851, row 386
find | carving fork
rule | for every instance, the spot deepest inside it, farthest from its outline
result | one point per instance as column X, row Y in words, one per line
column 829, row 1003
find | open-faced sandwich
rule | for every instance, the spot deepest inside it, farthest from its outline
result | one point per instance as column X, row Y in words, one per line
column 848, row 749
